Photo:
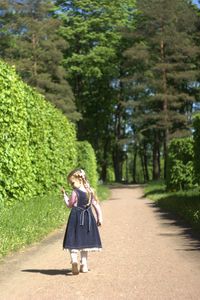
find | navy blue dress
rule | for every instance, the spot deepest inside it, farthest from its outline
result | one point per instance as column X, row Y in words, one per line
column 82, row 231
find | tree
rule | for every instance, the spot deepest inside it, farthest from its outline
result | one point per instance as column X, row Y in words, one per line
column 93, row 62
column 31, row 42
column 4, row 33
column 163, row 71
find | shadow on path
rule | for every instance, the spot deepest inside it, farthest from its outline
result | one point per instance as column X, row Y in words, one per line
column 51, row 272
column 190, row 235
column 125, row 186
column 153, row 192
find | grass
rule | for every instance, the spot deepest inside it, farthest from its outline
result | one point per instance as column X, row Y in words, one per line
column 185, row 204
column 29, row 222
column 103, row 192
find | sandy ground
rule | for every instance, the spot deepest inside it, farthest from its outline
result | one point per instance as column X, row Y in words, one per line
column 146, row 255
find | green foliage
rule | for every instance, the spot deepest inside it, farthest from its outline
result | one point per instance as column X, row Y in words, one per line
column 28, row 222
column 196, row 124
column 87, row 161
column 29, row 40
column 103, row 192
column 37, row 150
column 94, row 62
column 91, row 29
column 185, row 204
column 37, row 142
column 180, row 166
column 16, row 176
column 51, row 145
column 161, row 66
column 110, row 175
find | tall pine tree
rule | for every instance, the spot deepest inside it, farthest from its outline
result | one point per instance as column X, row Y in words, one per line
column 163, row 71
column 30, row 41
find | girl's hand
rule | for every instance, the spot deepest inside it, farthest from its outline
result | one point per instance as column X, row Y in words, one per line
column 98, row 223
column 62, row 190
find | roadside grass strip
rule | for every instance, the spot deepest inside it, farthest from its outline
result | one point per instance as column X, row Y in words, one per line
column 30, row 221
column 185, row 204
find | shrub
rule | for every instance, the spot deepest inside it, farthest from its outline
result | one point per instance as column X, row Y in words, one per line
column 110, row 176
column 87, row 160
column 180, row 169
column 52, row 143
column 37, row 142
column 184, row 204
column 196, row 124
column 16, row 176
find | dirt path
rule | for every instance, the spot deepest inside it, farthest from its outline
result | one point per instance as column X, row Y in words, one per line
column 146, row 255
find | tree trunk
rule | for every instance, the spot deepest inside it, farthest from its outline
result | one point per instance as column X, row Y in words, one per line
column 146, row 163
column 117, row 163
column 156, row 157
column 165, row 151
column 127, row 169
column 142, row 164
column 117, row 152
column 34, row 46
column 104, row 164
column 165, row 106
column 134, row 165
column 104, row 171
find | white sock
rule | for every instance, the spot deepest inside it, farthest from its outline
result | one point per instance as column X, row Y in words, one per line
column 84, row 255
column 74, row 257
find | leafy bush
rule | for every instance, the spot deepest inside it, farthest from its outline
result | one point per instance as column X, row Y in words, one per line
column 180, row 168
column 52, row 143
column 37, row 150
column 37, row 142
column 110, row 176
column 184, row 204
column 16, row 176
column 87, row 161
column 196, row 135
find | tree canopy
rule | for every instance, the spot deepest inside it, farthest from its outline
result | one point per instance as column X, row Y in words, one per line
column 126, row 72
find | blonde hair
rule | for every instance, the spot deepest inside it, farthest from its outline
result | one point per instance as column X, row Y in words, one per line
column 80, row 174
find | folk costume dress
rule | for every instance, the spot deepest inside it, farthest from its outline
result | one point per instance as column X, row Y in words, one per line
column 82, row 233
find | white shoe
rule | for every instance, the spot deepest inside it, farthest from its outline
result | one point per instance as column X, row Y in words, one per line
column 83, row 269
column 75, row 270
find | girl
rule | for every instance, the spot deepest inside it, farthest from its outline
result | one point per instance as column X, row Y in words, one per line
column 81, row 233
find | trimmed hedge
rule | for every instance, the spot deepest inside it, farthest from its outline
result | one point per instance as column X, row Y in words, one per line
column 180, row 166
column 196, row 134
column 87, row 161
column 184, row 204
column 37, row 142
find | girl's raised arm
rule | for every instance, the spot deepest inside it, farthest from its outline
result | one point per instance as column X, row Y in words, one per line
column 70, row 201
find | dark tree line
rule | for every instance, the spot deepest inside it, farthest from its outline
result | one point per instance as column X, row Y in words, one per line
column 126, row 73
column 30, row 41
column 162, row 73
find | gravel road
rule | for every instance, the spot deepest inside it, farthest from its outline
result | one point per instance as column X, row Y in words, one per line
column 146, row 255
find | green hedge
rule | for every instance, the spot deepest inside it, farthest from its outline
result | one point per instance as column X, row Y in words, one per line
column 196, row 134
column 37, row 142
column 184, row 204
column 180, row 166
column 87, row 161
